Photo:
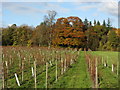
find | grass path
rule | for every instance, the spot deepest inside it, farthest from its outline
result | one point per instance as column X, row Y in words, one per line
column 76, row 77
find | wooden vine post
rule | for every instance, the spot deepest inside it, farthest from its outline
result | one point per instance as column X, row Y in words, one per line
column 6, row 72
column 96, row 83
column 62, row 66
column 102, row 60
column 3, row 81
column 65, row 65
column 46, row 73
column 29, row 60
column 112, row 68
column 10, row 60
column 35, row 72
column 23, row 69
column 89, row 63
column 32, row 71
column 6, row 66
column 117, row 67
column 56, row 70
column 71, row 62
column 107, row 61
column 19, row 59
column 91, row 67
column 3, row 76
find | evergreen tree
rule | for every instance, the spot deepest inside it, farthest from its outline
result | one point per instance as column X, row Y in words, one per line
column 86, row 22
column 104, row 23
column 108, row 23
column 90, row 23
column 98, row 23
column 86, row 25
column 94, row 22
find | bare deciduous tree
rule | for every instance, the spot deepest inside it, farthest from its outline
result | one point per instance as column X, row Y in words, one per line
column 49, row 20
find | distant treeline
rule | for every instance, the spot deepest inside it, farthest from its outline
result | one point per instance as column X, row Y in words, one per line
column 64, row 32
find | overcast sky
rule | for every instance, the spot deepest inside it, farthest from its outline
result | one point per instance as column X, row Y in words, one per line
column 32, row 13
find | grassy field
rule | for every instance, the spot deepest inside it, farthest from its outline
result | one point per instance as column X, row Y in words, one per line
column 67, row 68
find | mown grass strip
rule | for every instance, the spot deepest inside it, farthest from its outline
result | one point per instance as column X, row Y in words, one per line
column 76, row 77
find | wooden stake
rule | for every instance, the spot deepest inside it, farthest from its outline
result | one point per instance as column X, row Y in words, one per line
column 96, row 74
column 117, row 68
column 6, row 71
column 102, row 60
column 10, row 61
column 6, row 63
column 19, row 60
column 17, row 79
column 112, row 68
column 71, row 62
column 3, row 82
column 89, row 63
column 22, row 69
column 3, row 76
column 35, row 72
column 56, row 70
column 61, row 66
column 91, row 68
column 6, row 66
column 29, row 59
column 65, row 65
column 107, row 61
column 32, row 71
column 46, row 73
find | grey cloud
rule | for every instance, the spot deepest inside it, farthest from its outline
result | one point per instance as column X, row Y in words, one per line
column 26, row 8
column 21, row 8
column 106, row 7
column 110, row 8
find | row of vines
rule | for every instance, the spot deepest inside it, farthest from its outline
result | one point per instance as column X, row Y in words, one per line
column 34, row 67
column 103, row 73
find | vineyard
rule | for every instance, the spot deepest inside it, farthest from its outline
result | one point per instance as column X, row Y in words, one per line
column 42, row 67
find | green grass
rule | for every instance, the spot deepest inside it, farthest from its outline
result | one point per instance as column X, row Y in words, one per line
column 76, row 77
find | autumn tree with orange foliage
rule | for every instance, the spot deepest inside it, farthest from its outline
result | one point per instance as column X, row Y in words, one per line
column 69, row 32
